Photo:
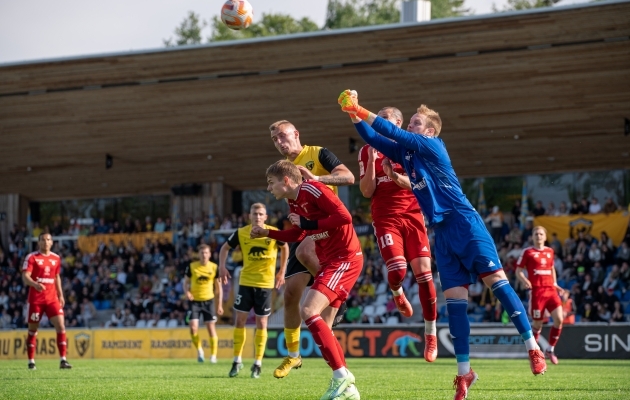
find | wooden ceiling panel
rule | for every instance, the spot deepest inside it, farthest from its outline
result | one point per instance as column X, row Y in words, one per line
column 564, row 103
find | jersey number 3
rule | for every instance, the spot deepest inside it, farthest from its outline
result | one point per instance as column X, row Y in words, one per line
column 386, row 240
column 238, row 299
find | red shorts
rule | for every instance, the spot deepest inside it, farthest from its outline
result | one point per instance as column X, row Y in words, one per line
column 35, row 311
column 336, row 280
column 545, row 298
column 402, row 237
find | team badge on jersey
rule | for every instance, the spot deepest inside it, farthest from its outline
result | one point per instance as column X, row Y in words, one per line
column 310, row 165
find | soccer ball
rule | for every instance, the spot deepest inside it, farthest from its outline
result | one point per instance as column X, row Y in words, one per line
column 237, row 14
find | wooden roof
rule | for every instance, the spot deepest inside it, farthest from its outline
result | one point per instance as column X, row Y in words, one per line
column 519, row 93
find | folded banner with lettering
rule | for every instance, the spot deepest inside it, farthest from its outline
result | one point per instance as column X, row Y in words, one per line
column 364, row 229
column 615, row 225
column 120, row 343
column 486, row 341
column 89, row 244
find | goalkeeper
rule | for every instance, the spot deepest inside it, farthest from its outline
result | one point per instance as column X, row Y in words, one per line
column 463, row 246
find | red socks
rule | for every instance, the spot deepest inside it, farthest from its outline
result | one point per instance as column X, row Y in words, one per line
column 31, row 343
column 396, row 271
column 61, row 344
column 554, row 335
column 428, row 298
column 536, row 333
column 327, row 342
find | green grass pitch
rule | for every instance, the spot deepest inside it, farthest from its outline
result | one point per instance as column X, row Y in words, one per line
column 376, row 379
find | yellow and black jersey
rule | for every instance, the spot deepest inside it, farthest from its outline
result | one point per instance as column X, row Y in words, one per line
column 259, row 257
column 318, row 160
column 202, row 280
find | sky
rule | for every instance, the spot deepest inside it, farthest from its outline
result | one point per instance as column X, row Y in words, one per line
column 44, row 29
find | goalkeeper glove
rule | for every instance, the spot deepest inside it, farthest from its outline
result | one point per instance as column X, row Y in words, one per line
column 349, row 103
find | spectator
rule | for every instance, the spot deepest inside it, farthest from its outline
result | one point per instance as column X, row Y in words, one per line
column 568, row 308
column 610, row 206
column 624, row 275
column 366, row 291
column 116, row 320
column 496, row 223
column 551, row 210
column 88, row 312
column 617, row 313
column 5, row 319
column 538, row 210
column 489, row 314
column 611, row 283
column 594, row 253
column 584, row 205
column 17, row 322
column 603, row 314
column 562, row 209
column 160, row 226
column 515, row 235
column 575, row 209
column 588, row 315
column 594, row 207
column 71, row 320
column 148, row 224
column 623, row 253
column 516, row 212
column 128, row 320
column 353, row 314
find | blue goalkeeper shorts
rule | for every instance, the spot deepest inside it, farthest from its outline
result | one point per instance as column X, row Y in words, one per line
column 464, row 249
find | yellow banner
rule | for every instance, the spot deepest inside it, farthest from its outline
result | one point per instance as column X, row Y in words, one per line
column 89, row 244
column 121, row 343
column 614, row 225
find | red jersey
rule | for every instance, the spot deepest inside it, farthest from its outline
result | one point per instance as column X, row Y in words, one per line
column 334, row 237
column 44, row 270
column 388, row 199
column 539, row 264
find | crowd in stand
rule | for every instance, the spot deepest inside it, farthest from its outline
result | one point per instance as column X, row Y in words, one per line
column 144, row 288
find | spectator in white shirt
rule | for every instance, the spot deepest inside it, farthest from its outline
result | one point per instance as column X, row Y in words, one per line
column 594, row 207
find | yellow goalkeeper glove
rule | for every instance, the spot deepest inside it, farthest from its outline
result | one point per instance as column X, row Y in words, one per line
column 349, row 102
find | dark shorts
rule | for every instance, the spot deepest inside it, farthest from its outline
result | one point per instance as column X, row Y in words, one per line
column 294, row 266
column 252, row 297
column 205, row 308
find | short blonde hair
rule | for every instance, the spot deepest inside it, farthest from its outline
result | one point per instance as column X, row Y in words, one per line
column 256, row 206
column 203, row 246
column 534, row 229
column 276, row 125
column 283, row 168
column 433, row 118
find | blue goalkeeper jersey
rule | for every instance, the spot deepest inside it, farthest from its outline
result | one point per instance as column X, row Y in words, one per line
column 428, row 166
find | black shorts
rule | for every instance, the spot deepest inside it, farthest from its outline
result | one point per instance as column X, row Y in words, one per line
column 205, row 308
column 294, row 266
column 252, row 297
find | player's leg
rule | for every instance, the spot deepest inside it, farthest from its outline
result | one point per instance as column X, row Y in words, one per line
column 331, row 289
column 294, row 286
column 455, row 279
column 392, row 247
column 305, row 253
column 497, row 281
column 554, row 304
column 242, row 305
column 479, row 255
column 55, row 314
column 421, row 267
column 262, row 309
column 213, row 340
column 193, row 324
column 34, row 316
column 534, row 311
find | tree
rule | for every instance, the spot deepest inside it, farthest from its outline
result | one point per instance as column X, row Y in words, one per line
column 525, row 4
column 353, row 13
column 188, row 32
column 448, row 9
column 269, row 25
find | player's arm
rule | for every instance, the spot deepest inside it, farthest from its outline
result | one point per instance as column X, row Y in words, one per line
column 62, row 300
column 27, row 269
column 555, row 280
column 387, row 147
column 218, row 289
column 231, row 243
column 284, row 257
column 400, row 180
column 367, row 171
column 294, row 234
column 339, row 174
column 187, row 276
column 338, row 215
column 521, row 263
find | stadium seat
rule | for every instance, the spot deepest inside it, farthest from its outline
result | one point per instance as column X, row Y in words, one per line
column 368, row 310
column 161, row 324
column 561, row 283
column 382, row 288
column 97, row 304
column 571, row 283
column 392, row 321
column 415, row 300
column 626, row 296
column 381, row 299
column 106, row 305
column 380, row 310
column 172, row 323
column 618, row 294
column 578, row 318
column 141, row 323
column 627, row 310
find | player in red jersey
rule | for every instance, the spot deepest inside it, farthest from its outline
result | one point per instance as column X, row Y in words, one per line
column 316, row 212
column 541, row 279
column 400, row 231
column 45, row 296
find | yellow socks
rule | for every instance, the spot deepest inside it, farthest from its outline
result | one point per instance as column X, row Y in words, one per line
column 239, row 341
column 260, row 342
column 214, row 345
column 195, row 341
column 292, row 337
